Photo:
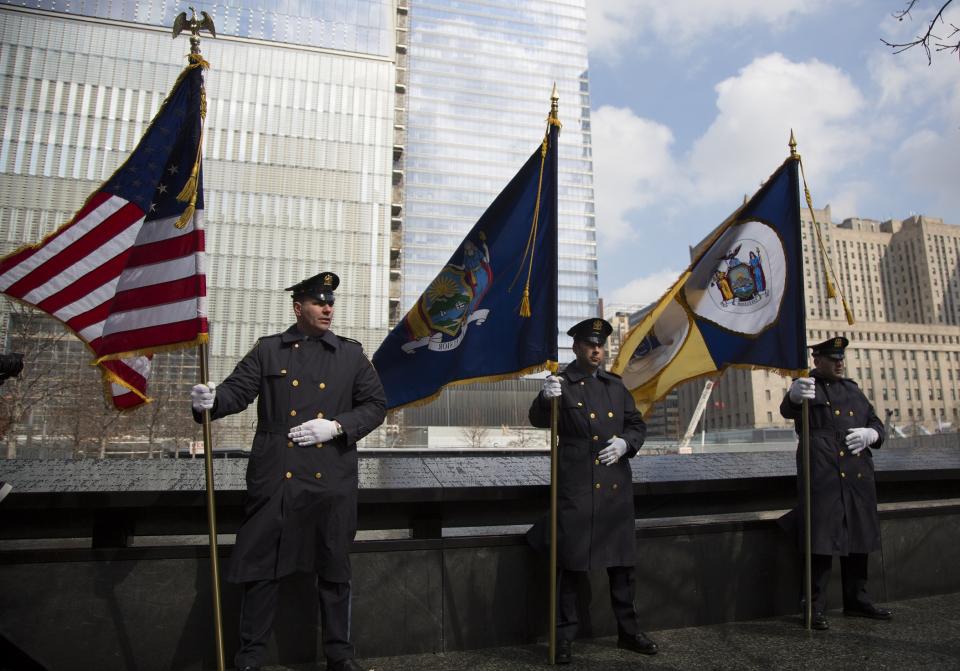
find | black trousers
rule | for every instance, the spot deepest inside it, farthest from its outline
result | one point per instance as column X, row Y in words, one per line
column 853, row 573
column 621, row 599
column 259, row 606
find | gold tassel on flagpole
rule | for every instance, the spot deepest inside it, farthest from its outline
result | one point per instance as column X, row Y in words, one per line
column 553, row 119
column 833, row 290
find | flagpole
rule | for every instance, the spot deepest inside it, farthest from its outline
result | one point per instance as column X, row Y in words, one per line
column 805, row 454
column 552, row 625
column 211, row 513
column 195, row 25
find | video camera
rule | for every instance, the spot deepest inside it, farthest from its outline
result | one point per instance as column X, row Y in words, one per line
column 10, row 365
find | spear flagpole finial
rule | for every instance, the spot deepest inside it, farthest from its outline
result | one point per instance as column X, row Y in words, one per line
column 793, row 145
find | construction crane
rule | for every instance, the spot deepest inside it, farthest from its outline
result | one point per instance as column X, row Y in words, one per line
column 684, row 446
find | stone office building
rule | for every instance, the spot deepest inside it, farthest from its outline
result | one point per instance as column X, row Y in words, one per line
column 901, row 279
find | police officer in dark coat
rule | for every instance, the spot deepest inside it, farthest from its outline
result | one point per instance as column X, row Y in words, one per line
column 600, row 429
column 317, row 395
column 844, row 521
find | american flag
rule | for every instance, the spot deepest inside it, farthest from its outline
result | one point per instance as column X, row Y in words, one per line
column 126, row 274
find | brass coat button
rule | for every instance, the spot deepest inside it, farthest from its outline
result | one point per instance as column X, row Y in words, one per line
column 596, row 462
column 842, row 453
column 318, row 475
column 828, row 404
column 323, row 385
column 289, row 443
column 836, row 412
column 610, row 414
column 593, row 415
column 614, row 485
column 283, row 371
column 319, row 444
column 851, row 413
column 296, row 345
column 293, row 413
column 597, row 485
column 842, row 474
column 288, row 475
column 859, row 475
column 296, row 383
column 596, row 437
column 581, row 383
column 579, row 404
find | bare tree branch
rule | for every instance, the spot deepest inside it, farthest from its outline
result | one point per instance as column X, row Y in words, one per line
column 949, row 43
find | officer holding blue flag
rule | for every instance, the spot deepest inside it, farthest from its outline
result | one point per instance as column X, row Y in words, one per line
column 844, row 429
column 599, row 430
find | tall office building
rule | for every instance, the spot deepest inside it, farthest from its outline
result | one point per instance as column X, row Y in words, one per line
column 475, row 82
column 298, row 145
column 479, row 77
column 365, row 137
column 902, row 282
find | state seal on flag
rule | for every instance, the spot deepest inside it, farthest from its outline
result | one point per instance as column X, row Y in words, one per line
column 739, row 282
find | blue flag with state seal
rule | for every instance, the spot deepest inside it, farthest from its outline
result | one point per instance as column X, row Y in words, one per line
column 739, row 304
column 491, row 312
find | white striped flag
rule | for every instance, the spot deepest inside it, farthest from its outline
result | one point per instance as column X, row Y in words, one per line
column 126, row 273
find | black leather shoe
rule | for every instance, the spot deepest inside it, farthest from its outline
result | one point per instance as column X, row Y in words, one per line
column 639, row 643
column 819, row 621
column 868, row 610
column 345, row 665
column 562, row 653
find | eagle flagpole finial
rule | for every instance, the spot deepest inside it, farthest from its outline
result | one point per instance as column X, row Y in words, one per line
column 194, row 25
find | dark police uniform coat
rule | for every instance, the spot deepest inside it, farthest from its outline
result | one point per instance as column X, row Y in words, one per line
column 843, row 493
column 595, row 516
column 301, row 504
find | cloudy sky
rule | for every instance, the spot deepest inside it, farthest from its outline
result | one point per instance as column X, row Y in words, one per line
column 693, row 102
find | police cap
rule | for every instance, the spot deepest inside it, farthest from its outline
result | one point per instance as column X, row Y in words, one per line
column 593, row 330
column 831, row 347
column 319, row 287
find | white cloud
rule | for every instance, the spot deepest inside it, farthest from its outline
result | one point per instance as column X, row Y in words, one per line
column 613, row 25
column 633, row 168
column 928, row 162
column 644, row 290
column 756, row 111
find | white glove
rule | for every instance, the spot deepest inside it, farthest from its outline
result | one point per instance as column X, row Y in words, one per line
column 860, row 439
column 552, row 387
column 803, row 388
column 315, row 431
column 616, row 448
column 202, row 396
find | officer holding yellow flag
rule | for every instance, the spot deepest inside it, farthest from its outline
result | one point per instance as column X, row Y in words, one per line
column 844, row 430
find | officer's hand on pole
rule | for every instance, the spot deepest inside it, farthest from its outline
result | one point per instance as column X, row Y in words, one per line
column 552, row 387
column 314, row 432
column 860, row 439
column 803, row 388
column 616, row 448
column 202, row 396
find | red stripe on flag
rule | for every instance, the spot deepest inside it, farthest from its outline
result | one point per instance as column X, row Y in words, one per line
column 98, row 236
column 164, row 250
column 92, row 316
column 149, row 337
column 127, row 401
column 96, row 200
column 84, row 285
column 160, row 294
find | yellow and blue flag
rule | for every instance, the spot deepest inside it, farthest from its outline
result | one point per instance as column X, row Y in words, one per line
column 739, row 303
column 491, row 312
